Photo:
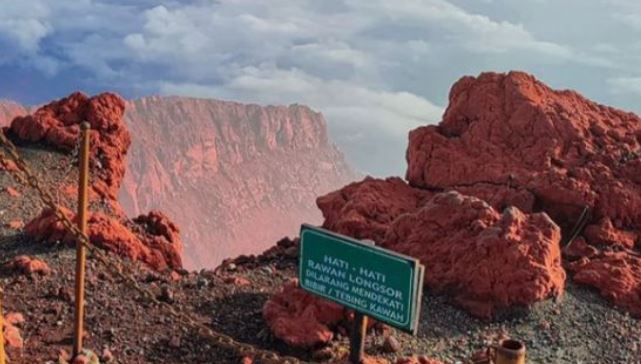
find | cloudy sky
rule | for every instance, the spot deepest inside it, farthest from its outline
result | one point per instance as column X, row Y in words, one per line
column 375, row 68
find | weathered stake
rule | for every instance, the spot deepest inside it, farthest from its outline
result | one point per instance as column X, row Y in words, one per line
column 2, row 354
column 80, row 249
column 357, row 342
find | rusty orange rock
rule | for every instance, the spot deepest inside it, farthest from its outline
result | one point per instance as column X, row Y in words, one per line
column 12, row 192
column 301, row 319
column 365, row 210
column 463, row 240
column 151, row 238
column 27, row 265
column 11, row 333
column 58, row 124
column 15, row 224
column 509, row 133
column 155, row 242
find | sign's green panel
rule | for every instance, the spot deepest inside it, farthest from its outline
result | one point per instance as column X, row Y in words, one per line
column 374, row 281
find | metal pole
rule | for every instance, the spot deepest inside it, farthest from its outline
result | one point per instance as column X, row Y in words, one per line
column 83, row 188
column 2, row 353
column 357, row 342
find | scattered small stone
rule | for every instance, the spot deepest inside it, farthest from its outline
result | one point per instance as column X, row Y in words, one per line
column 323, row 354
column 166, row 295
column 391, row 344
column 107, row 356
column 174, row 342
column 238, row 281
column 12, row 192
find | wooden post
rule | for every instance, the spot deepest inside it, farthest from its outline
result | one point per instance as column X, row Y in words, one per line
column 83, row 187
column 3, row 360
column 357, row 342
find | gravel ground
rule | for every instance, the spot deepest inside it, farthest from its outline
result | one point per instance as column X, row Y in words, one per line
column 579, row 328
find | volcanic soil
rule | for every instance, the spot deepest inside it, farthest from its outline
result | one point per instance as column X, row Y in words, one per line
column 580, row 327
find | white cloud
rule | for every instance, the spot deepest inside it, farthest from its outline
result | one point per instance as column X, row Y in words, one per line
column 625, row 85
column 375, row 68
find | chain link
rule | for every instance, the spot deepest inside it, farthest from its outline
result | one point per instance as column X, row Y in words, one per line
column 25, row 176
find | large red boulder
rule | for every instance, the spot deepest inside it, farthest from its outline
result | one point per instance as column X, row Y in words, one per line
column 561, row 151
column 58, row 124
column 155, row 244
column 484, row 259
column 301, row 319
column 365, row 209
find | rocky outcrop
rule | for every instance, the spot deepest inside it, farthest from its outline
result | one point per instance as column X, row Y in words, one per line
column 484, row 259
column 366, row 209
column 154, row 243
column 151, row 238
column 58, row 124
column 510, row 132
column 491, row 188
column 235, row 177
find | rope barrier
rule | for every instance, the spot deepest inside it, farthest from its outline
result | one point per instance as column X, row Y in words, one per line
column 25, row 176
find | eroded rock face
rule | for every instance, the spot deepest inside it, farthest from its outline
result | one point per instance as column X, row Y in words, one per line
column 58, row 124
column 235, row 177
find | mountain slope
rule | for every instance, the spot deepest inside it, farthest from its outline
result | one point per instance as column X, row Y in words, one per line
column 234, row 177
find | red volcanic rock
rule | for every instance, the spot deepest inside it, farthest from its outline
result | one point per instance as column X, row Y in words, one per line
column 27, row 265
column 15, row 224
column 617, row 275
column 58, row 124
column 484, row 259
column 234, row 177
column 366, row 209
column 11, row 333
column 510, row 131
column 150, row 245
column 12, row 192
column 7, row 165
column 301, row 319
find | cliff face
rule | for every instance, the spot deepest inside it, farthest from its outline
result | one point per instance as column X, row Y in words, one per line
column 9, row 110
column 234, row 177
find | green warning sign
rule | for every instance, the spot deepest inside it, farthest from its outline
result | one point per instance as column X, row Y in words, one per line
column 376, row 282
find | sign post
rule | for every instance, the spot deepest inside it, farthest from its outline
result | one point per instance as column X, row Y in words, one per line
column 83, row 200
column 370, row 280
column 2, row 353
